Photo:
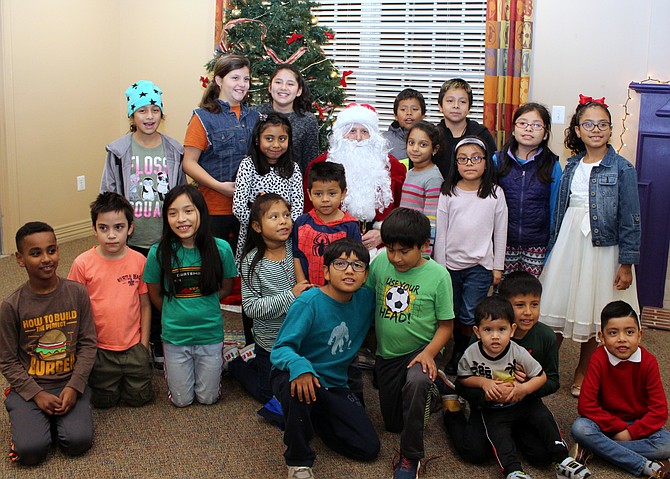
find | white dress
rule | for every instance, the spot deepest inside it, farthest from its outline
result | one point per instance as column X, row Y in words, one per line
column 578, row 279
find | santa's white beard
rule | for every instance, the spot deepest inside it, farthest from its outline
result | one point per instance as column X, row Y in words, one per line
column 366, row 168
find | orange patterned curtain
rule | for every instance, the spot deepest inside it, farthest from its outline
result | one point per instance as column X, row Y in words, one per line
column 221, row 5
column 509, row 34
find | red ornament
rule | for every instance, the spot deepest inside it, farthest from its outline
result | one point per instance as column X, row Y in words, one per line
column 294, row 37
column 345, row 74
column 204, row 81
column 330, row 36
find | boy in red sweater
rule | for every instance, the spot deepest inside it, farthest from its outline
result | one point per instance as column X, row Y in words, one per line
column 622, row 401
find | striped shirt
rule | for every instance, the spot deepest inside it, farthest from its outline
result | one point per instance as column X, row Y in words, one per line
column 267, row 295
column 421, row 192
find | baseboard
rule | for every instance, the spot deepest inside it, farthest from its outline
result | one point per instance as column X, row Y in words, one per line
column 73, row 231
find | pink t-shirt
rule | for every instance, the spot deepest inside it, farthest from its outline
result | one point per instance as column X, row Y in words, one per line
column 115, row 287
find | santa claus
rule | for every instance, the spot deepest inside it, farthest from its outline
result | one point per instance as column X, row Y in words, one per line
column 374, row 178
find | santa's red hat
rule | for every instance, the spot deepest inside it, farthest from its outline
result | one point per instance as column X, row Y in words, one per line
column 358, row 113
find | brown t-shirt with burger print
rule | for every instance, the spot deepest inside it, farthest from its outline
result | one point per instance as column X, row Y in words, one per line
column 47, row 341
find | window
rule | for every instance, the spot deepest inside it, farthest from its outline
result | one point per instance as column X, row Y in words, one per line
column 394, row 44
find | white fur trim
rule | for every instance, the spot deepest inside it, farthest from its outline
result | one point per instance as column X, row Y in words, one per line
column 358, row 114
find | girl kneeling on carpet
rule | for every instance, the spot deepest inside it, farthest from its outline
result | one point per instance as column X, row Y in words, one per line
column 188, row 272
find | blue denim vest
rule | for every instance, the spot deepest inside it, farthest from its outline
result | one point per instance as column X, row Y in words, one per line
column 531, row 199
column 614, row 205
column 229, row 140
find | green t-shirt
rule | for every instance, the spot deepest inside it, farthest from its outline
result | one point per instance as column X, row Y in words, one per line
column 189, row 317
column 408, row 305
column 149, row 183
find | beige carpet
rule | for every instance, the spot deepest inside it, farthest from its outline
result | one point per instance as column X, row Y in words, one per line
column 228, row 440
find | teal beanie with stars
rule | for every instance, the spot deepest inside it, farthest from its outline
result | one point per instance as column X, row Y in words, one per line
column 143, row 93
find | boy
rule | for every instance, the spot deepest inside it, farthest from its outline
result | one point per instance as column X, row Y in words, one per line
column 490, row 365
column 47, row 349
column 409, row 107
column 524, row 292
column 324, row 224
column 454, row 102
column 412, row 324
column 316, row 344
column 112, row 274
column 622, row 402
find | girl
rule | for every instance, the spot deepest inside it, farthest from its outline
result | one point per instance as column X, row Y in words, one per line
column 595, row 236
column 268, row 169
column 528, row 173
column 188, row 273
column 471, row 234
column 217, row 138
column 143, row 166
column 290, row 95
column 421, row 188
column 268, row 288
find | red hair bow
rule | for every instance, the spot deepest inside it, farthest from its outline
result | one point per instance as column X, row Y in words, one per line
column 204, row 81
column 585, row 100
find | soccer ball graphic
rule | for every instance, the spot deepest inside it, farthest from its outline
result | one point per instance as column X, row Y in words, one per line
column 397, row 299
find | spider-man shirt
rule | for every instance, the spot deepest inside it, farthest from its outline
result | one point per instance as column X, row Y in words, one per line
column 311, row 236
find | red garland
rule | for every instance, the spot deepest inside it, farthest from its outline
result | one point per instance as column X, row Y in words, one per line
column 204, row 81
column 322, row 110
column 294, row 37
column 345, row 74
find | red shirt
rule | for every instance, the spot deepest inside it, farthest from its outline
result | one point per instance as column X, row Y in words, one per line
column 613, row 396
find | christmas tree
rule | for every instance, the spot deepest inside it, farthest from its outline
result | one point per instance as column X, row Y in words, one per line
column 271, row 32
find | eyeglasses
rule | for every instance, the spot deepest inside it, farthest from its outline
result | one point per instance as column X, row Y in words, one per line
column 475, row 160
column 602, row 125
column 524, row 124
column 342, row 265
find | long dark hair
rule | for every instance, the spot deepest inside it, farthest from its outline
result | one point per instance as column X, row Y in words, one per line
column 303, row 102
column 211, row 271
column 284, row 166
column 545, row 160
column 255, row 239
column 487, row 185
column 223, row 67
column 572, row 141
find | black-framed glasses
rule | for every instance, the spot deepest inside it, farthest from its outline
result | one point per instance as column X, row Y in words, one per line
column 343, row 264
column 475, row 160
column 524, row 124
column 602, row 125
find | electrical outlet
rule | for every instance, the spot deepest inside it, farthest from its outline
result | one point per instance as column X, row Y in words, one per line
column 557, row 115
column 81, row 183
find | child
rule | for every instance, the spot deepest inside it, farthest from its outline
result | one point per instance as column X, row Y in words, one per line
column 143, row 166
column 470, row 235
column 523, row 291
column 217, row 138
column 490, row 364
column 409, row 107
column 324, row 224
column 322, row 332
column 268, row 169
column 269, row 287
column 112, row 274
column 421, row 189
column 289, row 94
column 412, row 324
column 623, row 407
column 187, row 274
column 528, row 173
column 47, row 350
column 595, row 239
column 454, row 102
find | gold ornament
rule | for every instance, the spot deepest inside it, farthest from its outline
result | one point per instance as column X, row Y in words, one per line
column 314, row 21
column 334, row 74
column 236, row 12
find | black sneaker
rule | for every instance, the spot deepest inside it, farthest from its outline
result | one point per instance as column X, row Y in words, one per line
column 406, row 468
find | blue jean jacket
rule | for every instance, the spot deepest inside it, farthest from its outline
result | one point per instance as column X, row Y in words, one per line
column 614, row 205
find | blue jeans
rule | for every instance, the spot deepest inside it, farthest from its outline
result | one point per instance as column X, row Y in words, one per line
column 193, row 372
column 628, row 455
column 470, row 285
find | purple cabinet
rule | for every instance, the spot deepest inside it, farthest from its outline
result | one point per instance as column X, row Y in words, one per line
column 653, row 172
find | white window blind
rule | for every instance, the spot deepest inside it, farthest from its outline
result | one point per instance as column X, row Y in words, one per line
column 394, row 44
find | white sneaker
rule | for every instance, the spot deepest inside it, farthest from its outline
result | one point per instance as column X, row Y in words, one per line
column 518, row 475
column 229, row 353
column 300, row 472
column 572, row 469
column 248, row 352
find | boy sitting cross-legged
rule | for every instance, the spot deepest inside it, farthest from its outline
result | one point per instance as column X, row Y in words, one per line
column 490, row 364
column 413, row 322
column 622, row 404
column 322, row 332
